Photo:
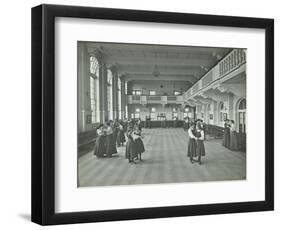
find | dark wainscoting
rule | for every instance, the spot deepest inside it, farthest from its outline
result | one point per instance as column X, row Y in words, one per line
column 86, row 141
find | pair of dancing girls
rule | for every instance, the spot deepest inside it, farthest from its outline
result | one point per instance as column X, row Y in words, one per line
column 134, row 145
column 196, row 148
column 105, row 145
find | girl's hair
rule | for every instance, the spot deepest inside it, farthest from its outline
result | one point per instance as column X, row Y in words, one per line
column 100, row 125
column 199, row 126
column 192, row 124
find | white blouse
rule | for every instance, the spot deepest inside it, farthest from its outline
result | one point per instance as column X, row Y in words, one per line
column 193, row 137
column 190, row 134
column 202, row 135
column 100, row 131
column 109, row 130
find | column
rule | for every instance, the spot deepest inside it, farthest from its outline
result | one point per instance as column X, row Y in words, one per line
column 84, row 104
column 115, row 92
column 123, row 98
column 216, row 114
column 103, row 91
column 230, row 107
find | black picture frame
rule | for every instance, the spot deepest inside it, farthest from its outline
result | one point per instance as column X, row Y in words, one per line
column 43, row 114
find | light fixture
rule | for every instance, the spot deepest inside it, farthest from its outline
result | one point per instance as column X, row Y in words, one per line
column 156, row 72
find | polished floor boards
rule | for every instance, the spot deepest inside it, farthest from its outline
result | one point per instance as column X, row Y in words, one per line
column 164, row 161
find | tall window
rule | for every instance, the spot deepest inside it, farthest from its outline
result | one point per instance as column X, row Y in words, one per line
column 137, row 114
column 175, row 114
column 136, row 92
column 126, row 111
column 119, row 98
column 222, row 116
column 109, row 95
column 126, row 88
column 242, row 116
column 152, row 92
column 185, row 113
column 153, row 114
column 94, row 89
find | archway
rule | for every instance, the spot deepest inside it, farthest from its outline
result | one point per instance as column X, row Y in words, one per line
column 222, row 115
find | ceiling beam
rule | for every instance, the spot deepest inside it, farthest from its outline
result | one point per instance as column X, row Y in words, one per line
column 129, row 60
column 150, row 77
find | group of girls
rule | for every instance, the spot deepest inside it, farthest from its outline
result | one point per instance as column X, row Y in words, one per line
column 112, row 134
column 196, row 148
column 134, row 145
column 230, row 139
column 108, row 135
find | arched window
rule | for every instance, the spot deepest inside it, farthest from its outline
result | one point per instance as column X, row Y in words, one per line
column 109, row 95
column 242, row 104
column 210, row 114
column 94, row 89
column 242, row 116
column 223, row 115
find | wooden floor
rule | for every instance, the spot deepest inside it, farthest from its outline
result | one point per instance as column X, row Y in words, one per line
column 164, row 161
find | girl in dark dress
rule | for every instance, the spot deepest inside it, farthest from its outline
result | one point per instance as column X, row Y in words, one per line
column 138, row 142
column 226, row 135
column 131, row 152
column 110, row 144
column 233, row 144
column 120, row 135
column 115, row 129
column 200, row 137
column 100, row 148
column 191, row 149
column 185, row 124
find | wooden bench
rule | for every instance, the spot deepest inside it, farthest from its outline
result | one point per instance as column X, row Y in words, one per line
column 86, row 142
column 215, row 131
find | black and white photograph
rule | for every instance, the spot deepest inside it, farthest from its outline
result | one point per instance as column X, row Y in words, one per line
column 154, row 114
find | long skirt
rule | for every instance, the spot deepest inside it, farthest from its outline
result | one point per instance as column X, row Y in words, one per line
column 110, row 145
column 200, row 148
column 131, row 149
column 233, row 145
column 115, row 132
column 191, row 149
column 100, row 146
column 121, row 137
column 185, row 126
column 226, row 138
column 139, row 146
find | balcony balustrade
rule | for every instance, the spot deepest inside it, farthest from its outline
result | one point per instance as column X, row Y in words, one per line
column 233, row 61
column 137, row 99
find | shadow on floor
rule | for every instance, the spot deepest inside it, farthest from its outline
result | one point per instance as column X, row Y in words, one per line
column 25, row 216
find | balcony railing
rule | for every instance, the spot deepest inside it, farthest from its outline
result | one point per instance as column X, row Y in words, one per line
column 136, row 99
column 235, row 59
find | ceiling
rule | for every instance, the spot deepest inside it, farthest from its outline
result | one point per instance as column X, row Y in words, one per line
column 159, row 62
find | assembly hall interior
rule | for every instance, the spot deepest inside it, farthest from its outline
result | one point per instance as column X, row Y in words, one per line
column 165, row 94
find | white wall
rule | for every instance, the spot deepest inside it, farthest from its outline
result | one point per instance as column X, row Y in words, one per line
column 15, row 114
column 168, row 87
column 146, row 109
